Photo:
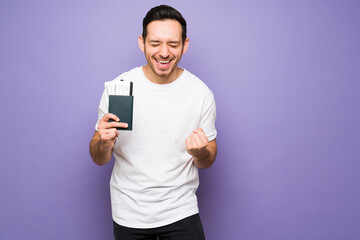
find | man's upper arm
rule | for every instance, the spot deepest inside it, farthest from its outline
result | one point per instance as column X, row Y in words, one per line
column 208, row 117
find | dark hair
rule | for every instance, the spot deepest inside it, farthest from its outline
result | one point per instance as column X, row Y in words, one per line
column 164, row 12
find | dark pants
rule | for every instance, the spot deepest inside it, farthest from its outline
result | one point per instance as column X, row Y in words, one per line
column 189, row 228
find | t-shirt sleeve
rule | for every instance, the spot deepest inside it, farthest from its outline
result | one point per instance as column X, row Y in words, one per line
column 103, row 108
column 208, row 117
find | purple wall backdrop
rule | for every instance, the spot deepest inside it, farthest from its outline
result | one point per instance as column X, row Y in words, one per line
column 286, row 79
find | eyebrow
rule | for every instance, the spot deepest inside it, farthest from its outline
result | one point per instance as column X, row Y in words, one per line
column 171, row 42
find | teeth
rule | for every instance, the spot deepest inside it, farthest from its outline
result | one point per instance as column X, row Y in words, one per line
column 163, row 62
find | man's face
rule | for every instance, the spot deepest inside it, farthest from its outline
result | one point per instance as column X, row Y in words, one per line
column 163, row 48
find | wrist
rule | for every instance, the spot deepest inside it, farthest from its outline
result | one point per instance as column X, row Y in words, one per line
column 105, row 146
column 201, row 155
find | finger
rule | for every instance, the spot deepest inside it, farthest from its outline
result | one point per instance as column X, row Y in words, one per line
column 107, row 136
column 189, row 143
column 107, row 125
column 202, row 135
column 198, row 142
column 116, row 124
column 109, row 116
column 123, row 125
column 203, row 138
column 198, row 130
column 193, row 142
column 107, row 130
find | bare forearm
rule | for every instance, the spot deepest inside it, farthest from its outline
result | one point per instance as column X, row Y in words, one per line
column 99, row 155
column 100, row 152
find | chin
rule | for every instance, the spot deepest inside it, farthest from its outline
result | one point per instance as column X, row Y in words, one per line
column 163, row 74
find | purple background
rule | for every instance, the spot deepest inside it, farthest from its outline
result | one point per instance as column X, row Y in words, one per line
column 285, row 75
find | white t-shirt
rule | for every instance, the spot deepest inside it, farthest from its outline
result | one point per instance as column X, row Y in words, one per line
column 154, row 180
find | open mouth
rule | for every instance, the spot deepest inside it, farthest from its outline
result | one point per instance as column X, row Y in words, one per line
column 162, row 63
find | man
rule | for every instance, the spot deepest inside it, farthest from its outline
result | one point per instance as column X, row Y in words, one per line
column 155, row 173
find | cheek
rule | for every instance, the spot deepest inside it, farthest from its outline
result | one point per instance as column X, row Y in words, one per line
column 150, row 51
column 175, row 52
column 149, row 54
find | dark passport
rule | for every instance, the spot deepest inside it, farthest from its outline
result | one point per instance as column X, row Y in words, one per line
column 122, row 107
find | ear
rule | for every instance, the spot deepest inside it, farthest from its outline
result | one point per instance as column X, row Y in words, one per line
column 186, row 45
column 141, row 43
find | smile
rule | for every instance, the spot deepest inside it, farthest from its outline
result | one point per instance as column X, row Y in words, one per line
column 163, row 65
column 163, row 62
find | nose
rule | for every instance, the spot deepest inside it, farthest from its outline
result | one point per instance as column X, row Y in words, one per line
column 164, row 52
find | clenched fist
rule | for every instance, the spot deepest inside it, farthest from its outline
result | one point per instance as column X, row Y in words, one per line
column 196, row 143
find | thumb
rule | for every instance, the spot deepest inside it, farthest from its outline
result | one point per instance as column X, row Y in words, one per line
column 198, row 130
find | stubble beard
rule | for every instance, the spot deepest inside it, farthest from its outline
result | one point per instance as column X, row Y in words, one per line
column 162, row 76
